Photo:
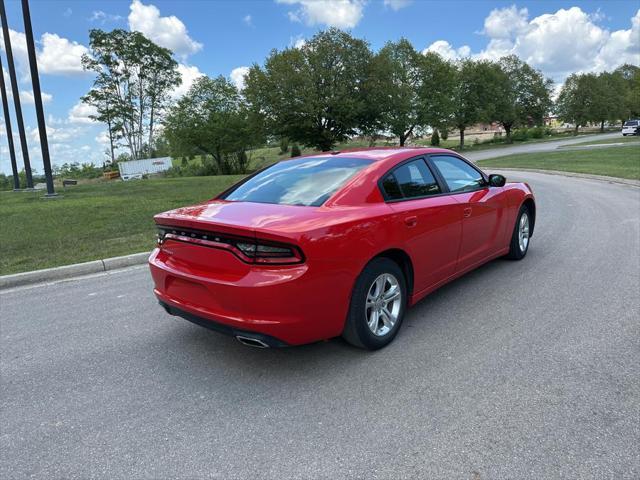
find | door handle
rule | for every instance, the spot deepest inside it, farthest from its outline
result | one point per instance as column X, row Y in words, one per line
column 467, row 212
column 411, row 221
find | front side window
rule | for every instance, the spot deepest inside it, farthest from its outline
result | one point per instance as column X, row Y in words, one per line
column 458, row 174
column 410, row 180
column 305, row 181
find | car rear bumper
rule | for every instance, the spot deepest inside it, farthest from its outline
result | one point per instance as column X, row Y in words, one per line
column 267, row 340
column 287, row 305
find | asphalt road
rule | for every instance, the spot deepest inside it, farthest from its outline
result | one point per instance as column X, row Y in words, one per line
column 519, row 370
column 547, row 146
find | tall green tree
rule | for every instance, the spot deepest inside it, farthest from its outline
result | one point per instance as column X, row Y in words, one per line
column 524, row 95
column 574, row 103
column 213, row 119
column 398, row 68
column 133, row 79
column 315, row 95
column 631, row 92
column 100, row 99
column 475, row 94
column 436, row 91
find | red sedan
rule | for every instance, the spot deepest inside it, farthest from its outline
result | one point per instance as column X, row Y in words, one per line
column 335, row 244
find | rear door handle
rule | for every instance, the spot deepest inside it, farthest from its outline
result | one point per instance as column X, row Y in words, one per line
column 411, row 221
column 467, row 212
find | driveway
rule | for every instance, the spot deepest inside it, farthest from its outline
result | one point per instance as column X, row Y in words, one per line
column 518, row 370
column 537, row 146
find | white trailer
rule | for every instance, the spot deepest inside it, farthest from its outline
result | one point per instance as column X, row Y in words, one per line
column 137, row 168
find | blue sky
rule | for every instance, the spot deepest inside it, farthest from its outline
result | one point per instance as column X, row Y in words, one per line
column 225, row 37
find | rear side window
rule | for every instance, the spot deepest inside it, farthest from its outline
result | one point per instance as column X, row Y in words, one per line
column 305, row 181
column 410, row 180
column 458, row 174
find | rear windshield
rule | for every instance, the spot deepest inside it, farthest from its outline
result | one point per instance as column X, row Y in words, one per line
column 631, row 123
column 304, row 181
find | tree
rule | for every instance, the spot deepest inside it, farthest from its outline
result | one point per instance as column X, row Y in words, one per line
column 524, row 97
column 608, row 98
column 630, row 94
column 133, row 79
column 315, row 95
column 475, row 94
column 437, row 91
column 212, row 119
column 398, row 68
column 100, row 99
column 574, row 102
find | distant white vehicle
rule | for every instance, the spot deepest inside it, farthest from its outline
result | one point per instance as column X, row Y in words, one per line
column 136, row 169
column 631, row 127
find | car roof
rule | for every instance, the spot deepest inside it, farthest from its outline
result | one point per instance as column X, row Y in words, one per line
column 382, row 153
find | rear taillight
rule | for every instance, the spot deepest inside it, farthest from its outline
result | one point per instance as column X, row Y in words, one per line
column 249, row 250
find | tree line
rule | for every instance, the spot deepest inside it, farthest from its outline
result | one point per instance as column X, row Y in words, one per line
column 329, row 90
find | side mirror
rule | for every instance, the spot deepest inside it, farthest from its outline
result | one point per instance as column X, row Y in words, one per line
column 496, row 180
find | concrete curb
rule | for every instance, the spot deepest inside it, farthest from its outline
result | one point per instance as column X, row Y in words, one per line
column 68, row 271
column 601, row 178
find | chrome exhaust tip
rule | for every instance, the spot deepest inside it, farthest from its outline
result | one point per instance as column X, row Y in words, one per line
column 251, row 342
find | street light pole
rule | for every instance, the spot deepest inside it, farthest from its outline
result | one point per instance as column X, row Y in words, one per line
column 7, row 122
column 16, row 96
column 37, row 97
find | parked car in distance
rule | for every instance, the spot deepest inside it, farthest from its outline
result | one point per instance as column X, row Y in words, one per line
column 335, row 244
column 631, row 127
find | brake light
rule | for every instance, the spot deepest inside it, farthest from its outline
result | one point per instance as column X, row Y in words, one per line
column 249, row 250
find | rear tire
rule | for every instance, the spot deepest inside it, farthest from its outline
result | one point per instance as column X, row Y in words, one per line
column 377, row 307
column 520, row 238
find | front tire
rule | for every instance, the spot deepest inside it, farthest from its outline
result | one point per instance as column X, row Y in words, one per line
column 377, row 307
column 520, row 237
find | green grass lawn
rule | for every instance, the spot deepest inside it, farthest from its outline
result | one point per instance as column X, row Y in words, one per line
column 619, row 139
column 92, row 221
column 617, row 161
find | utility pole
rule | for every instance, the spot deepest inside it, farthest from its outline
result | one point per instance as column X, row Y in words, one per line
column 7, row 122
column 16, row 96
column 37, row 96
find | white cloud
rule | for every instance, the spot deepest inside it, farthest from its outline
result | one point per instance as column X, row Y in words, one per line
column 560, row 43
column 60, row 56
column 297, row 42
column 237, row 76
column 189, row 74
column 103, row 17
column 57, row 55
column 397, row 4
column 27, row 97
column 248, row 20
column 80, row 113
column 168, row 32
column 445, row 50
column 503, row 22
column 334, row 13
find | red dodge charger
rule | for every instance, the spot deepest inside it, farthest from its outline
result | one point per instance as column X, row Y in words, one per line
column 335, row 244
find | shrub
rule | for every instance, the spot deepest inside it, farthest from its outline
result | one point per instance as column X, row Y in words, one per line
column 295, row 151
column 435, row 138
column 444, row 134
column 536, row 132
column 284, row 145
column 520, row 135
